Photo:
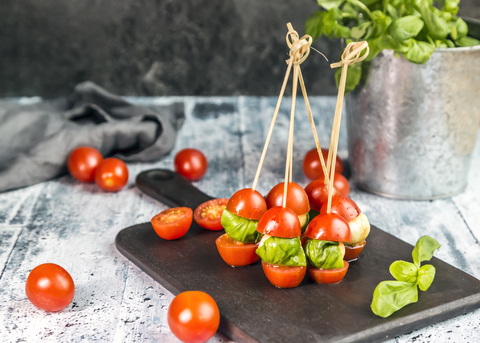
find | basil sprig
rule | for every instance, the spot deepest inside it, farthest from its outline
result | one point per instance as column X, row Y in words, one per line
column 239, row 228
column 390, row 296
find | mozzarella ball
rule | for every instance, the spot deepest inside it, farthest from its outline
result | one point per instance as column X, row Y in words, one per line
column 360, row 228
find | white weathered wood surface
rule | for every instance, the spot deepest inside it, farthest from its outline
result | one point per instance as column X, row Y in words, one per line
column 74, row 225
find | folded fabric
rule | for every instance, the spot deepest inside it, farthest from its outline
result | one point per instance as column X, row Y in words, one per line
column 35, row 140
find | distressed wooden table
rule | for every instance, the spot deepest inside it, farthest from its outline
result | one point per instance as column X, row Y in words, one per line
column 74, row 225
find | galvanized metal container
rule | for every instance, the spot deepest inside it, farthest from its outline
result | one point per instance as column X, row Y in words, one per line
column 412, row 128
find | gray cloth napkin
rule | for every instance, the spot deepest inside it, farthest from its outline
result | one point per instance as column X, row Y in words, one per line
column 35, row 140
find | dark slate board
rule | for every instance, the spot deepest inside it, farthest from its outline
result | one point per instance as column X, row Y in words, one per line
column 252, row 310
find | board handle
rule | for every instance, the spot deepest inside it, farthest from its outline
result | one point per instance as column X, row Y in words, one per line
column 170, row 188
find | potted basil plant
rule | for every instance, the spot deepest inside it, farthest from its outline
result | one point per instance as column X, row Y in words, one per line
column 413, row 111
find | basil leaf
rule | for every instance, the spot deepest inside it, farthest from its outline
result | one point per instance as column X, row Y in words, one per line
column 353, row 77
column 329, row 4
column 404, row 271
column 437, row 26
column 424, row 249
column 390, row 296
column 360, row 30
column 307, row 221
column 404, row 28
column 467, row 42
column 313, row 25
column 282, row 251
column 312, row 214
column 239, row 228
column 451, row 6
column 461, row 27
column 426, row 274
column 324, row 254
column 418, row 52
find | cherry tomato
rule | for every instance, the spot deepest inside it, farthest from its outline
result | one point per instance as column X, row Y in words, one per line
column 343, row 206
column 247, row 203
column 83, row 162
column 317, row 192
column 297, row 199
column 340, row 183
column 328, row 275
column 283, row 276
column 280, row 222
column 329, row 227
column 49, row 287
column 191, row 164
column 312, row 166
column 193, row 317
column 351, row 253
column 209, row 214
column 236, row 253
column 172, row 223
column 111, row 175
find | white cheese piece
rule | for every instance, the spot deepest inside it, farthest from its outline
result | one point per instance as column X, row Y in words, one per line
column 360, row 228
column 264, row 238
column 342, row 248
column 303, row 219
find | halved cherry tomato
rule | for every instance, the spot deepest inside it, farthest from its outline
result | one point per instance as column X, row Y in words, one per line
column 83, row 162
column 312, row 166
column 111, row 175
column 297, row 199
column 173, row 223
column 328, row 275
column 329, row 227
column 343, row 206
column 50, row 287
column 193, row 317
column 283, row 276
column 317, row 192
column 340, row 183
column 247, row 203
column 235, row 253
column 280, row 222
column 191, row 164
column 351, row 253
column 209, row 214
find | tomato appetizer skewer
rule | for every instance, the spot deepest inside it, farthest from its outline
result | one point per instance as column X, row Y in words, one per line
column 312, row 167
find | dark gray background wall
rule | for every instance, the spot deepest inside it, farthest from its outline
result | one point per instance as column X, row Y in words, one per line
column 158, row 47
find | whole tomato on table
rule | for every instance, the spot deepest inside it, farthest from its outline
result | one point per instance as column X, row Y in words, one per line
column 83, row 162
column 191, row 164
column 111, row 175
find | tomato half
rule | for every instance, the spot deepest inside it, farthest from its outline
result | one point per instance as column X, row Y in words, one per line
column 173, row 223
column 329, row 227
column 280, row 222
column 209, row 214
column 235, row 253
column 297, row 199
column 247, row 203
column 193, row 317
column 312, row 166
column 111, row 175
column 351, row 253
column 317, row 192
column 343, row 206
column 83, row 162
column 50, row 287
column 191, row 164
column 328, row 275
column 282, row 276
column 340, row 183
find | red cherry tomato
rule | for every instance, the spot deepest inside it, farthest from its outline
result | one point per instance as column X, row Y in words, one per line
column 343, row 206
column 329, row 227
column 83, row 162
column 283, row 276
column 247, row 203
column 328, row 275
column 340, row 183
column 351, row 253
column 193, row 317
column 312, row 166
column 49, row 287
column 297, row 199
column 191, row 164
column 209, row 214
column 111, row 175
column 236, row 253
column 280, row 222
column 317, row 192
column 172, row 223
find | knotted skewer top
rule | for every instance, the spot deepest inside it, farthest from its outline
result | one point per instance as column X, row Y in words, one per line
column 299, row 47
column 352, row 53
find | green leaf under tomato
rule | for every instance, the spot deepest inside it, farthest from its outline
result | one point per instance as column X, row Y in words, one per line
column 426, row 274
column 404, row 271
column 282, row 252
column 390, row 296
column 424, row 249
column 239, row 228
column 324, row 254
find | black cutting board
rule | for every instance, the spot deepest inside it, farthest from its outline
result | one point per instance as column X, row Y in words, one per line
column 252, row 310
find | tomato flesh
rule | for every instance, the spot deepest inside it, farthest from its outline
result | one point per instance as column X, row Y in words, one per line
column 247, row 203
column 191, row 164
column 329, row 227
column 312, row 166
column 111, row 175
column 351, row 253
column 328, row 275
column 297, row 199
column 283, row 276
column 235, row 253
column 280, row 222
column 193, row 317
column 209, row 214
column 173, row 223
column 317, row 192
column 343, row 206
column 50, row 287
column 83, row 162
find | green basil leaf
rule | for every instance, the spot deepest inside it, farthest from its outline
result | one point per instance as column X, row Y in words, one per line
column 282, row 251
column 329, row 4
column 404, row 28
column 404, row 271
column 424, row 249
column 467, row 42
column 453, row 31
column 354, row 74
column 437, row 26
column 441, row 44
column 449, row 43
column 390, row 296
column 426, row 274
column 359, row 31
column 313, row 25
column 240, row 229
column 451, row 6
column 324, row 254
column 461, row 27
column 418, row 52
column 307, row 221
column 369, row 2
column 392, row 11
column 312, row 214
